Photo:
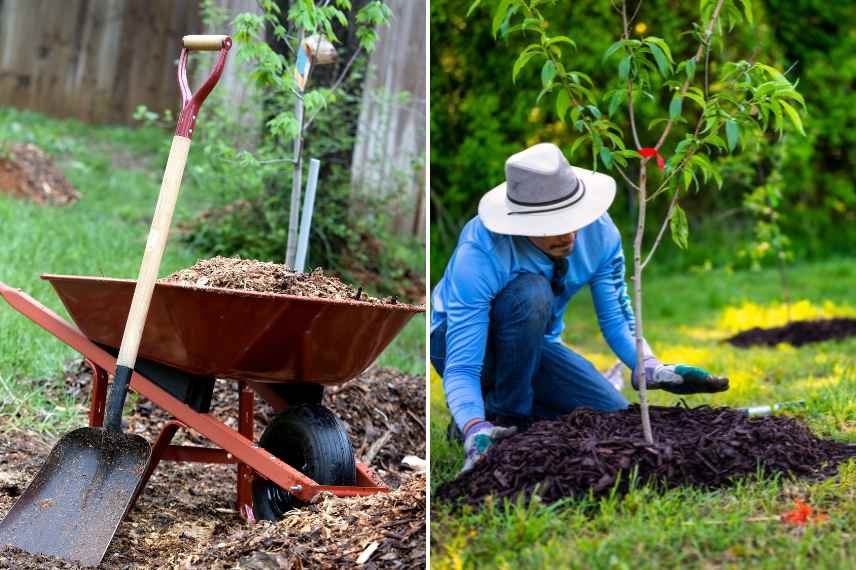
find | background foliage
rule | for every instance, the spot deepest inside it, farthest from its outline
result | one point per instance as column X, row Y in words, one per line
column 479, row 117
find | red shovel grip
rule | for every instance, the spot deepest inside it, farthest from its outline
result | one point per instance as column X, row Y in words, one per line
column 192, row 102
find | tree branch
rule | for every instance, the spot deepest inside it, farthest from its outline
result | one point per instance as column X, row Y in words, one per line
column 699, row 53
column 338, row 81
column 662, row 228
column 627, row 178
column 629, row 80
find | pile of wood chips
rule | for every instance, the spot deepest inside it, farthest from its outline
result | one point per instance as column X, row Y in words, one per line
column 381, row 531
column 28, row 173
column 266, row 277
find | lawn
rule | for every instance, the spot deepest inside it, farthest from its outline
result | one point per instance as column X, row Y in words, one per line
column 118, row 171
column 686, row 317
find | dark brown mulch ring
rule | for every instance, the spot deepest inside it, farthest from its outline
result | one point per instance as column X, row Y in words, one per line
column 186, row 517
column 586, row 450
column 796, row 333
column 268, row 277
column 27, row 172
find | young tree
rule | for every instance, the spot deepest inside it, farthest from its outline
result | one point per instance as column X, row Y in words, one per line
column 311, row 22
column 700, row 121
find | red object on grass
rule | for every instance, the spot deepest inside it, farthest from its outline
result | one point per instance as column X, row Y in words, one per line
column 801, row 514
column 650, row 151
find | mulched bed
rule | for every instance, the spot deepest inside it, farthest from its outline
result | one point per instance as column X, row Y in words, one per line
column 27, row 172
column 268, row 277
column 186, row 518
column 591, row 451
column 796, row 333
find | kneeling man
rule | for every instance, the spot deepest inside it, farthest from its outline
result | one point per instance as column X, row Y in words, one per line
column 497, row 313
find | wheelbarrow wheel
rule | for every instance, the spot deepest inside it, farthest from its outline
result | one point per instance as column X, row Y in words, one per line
column 310, row 438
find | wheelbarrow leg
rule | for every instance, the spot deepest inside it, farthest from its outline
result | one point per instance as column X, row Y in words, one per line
column 246, row 410
column 98, row 396
column 160, row 446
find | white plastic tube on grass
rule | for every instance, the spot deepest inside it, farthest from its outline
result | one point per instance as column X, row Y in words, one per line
column 306, row 221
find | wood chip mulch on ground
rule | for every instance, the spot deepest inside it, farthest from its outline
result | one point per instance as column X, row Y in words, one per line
column 28, row 173
column 186, row 517
column 796, row 333
column 587, row 450
column 268, row 277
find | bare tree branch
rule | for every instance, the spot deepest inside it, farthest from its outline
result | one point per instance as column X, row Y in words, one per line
column 662, row 228
column 626, row 178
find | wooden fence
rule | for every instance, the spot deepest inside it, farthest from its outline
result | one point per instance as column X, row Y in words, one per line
column 96, row 60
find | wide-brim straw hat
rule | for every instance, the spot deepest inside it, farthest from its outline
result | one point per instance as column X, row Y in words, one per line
column 543, row 195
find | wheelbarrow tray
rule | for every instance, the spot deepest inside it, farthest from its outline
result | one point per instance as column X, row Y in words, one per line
column 247, row 335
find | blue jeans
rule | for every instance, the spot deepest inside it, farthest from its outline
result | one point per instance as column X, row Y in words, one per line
column 524, row 375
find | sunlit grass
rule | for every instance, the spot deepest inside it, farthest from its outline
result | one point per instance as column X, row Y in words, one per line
column 687, row 319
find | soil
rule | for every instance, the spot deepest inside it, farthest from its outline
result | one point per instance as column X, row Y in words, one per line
column 588, row 451
column 268, row 277
column 186, row 518
column 27, row 172
column 796, row 333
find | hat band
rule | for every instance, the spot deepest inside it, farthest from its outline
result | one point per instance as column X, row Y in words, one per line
column 568, row 196
column 568, row 201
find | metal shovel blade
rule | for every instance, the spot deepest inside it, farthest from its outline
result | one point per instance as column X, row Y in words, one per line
column 73, row 507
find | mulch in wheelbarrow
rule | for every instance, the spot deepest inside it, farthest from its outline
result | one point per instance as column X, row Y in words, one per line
column 28, row 173
column 588, row 451
column 268, row 277
column 186, row 517
column 796, row 333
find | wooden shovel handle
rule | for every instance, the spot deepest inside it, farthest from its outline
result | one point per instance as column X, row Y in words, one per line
column 155, row 246
column 204, row 43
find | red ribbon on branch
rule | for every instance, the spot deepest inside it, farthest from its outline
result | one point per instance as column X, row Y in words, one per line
column 650, row 151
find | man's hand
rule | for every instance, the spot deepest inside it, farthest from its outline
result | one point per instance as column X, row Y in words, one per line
column 680, row 378
column 480, row 437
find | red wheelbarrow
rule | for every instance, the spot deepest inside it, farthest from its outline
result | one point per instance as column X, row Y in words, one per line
column 283, row 348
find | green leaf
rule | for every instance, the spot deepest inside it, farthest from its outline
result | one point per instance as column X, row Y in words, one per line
column 563, row 103
column 548, row 72
column 691, row 64
column 473, row 6
column 612, row 49
column 732, row 133
column 606, row 157
column 624, row 68
column 679, row 227
column 562, row 40
column 662, row 62
column 773, row 72
column 521, row 61
column 577, row 144
column 747, row 11
column 499, row 16
column 615, row 101
column 675, row 106
column 793, row 115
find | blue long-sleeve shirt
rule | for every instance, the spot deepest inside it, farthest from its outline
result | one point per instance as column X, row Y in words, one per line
column 484, row 262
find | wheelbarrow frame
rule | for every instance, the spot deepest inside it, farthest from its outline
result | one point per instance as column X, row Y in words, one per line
column 235, row 446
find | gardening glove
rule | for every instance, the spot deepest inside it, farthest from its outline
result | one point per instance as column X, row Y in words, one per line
column 479, row 438
column 684, row 379
column 678, row 378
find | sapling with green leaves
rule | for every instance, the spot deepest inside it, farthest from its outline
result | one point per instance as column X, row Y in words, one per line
column 275, row 74
column 706, row 116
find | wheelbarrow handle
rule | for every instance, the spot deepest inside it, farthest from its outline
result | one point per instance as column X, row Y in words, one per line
column 192, row 102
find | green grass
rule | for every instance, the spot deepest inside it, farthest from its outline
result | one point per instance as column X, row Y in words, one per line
column 104, row 233
column 686, row 317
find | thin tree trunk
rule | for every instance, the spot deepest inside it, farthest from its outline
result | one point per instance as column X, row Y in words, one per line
column 296, row 178
column 637, row 301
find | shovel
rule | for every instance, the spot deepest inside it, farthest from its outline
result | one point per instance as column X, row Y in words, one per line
column 73, row 507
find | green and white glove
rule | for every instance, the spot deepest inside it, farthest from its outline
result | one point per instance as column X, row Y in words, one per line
column 678, row 378
column 480, row 437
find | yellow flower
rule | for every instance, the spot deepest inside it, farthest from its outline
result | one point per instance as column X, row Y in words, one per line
column 641, row 28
